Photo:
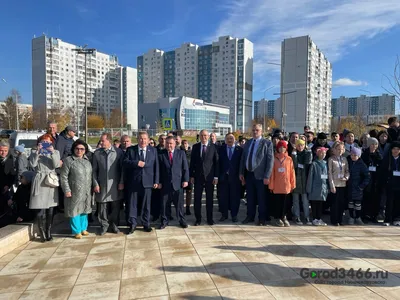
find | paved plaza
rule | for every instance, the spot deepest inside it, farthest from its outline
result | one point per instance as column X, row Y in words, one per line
column 225, row 261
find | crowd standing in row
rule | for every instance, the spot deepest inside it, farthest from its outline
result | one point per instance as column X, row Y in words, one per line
column 282, row 178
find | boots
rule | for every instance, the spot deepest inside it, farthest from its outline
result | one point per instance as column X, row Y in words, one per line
column 49, row 222
column 42, row 234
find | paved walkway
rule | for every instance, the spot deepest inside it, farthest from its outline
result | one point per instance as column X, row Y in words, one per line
column 223, row 261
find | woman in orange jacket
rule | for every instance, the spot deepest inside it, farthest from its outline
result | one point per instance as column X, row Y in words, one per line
column 282, row 182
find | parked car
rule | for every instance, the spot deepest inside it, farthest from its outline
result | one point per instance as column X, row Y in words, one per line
column 29, row 139
column 5, row 134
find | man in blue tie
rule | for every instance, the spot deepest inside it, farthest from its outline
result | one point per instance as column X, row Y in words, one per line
column 228, row 179
column 255, row 170
column 141, row 175
column 203, row 172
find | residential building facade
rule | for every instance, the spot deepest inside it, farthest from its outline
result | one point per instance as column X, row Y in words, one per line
column 306, row 86
column 58, row 79
column 219, row 73
column 264, row 107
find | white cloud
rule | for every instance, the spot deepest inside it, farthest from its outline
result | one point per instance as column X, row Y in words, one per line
column 335, row 26
column 348, row 82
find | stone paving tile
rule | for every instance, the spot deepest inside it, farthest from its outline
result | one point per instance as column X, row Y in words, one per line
column 103, row 290
column 99, row 274
column 248, row 291
column 56, row 294
column 189, row 282
column 15, row 283
column 145, row 287
column 54, row 279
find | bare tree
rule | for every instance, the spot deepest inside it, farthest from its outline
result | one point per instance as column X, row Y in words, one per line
column 392, row 85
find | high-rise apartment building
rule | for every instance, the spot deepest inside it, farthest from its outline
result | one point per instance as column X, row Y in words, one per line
column 58, row 79
column 306, row 86
column 220, row 73
column 363, row 105
column 264, row 107
column 129, row 101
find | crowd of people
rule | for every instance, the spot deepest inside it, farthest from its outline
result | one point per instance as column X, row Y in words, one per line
column 298, row 177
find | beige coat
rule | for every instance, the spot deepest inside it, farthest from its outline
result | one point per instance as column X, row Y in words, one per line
column 338, row 167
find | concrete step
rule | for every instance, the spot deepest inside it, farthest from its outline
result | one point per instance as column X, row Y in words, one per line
column 14, row 236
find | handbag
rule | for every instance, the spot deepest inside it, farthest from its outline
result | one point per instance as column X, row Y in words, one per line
column 52, row 180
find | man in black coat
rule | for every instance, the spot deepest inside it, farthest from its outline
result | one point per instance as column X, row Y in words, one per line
column 141, row 175
column 204, row 175
column 174, row 176
column 64, row 142
column 228, row 179
column 156, row 194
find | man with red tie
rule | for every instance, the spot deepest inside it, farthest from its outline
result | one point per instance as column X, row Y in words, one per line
column 204, row 175
column 174, row 177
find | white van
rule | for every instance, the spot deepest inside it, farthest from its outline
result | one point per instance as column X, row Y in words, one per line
column 29, row 139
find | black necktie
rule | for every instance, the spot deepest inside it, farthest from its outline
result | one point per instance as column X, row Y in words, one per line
column 141, row 155
column 251, row 156
column 203, row 152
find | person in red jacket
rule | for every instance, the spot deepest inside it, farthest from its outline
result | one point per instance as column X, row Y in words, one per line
column 282, row 182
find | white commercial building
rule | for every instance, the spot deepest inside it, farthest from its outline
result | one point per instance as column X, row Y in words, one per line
column 58, row 79
column 220, row 73
column 306, row 86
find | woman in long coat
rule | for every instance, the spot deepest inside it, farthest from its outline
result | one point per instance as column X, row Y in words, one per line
column 76, row 182
column 44, row 161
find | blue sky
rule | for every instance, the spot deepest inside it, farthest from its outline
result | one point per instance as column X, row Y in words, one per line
column 360, row 37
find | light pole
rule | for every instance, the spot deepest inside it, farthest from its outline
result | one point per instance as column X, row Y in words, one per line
column 271, row 87
column 85, row 51
column 283, row 102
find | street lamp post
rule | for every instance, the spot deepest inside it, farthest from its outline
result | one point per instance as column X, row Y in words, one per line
column 85, row 51
column 271, row 87
column 283, row 104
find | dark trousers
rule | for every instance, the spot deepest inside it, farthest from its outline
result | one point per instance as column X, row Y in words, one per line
column 169, row 197
column 392, row 212
column 140, row 195
column 199, row 185
column 316, row 208
column 156, row 199
column 371, row 202
column 108, row 213
column 229, row 196
column 256, row 194
column 337, row 205
column 281, row 203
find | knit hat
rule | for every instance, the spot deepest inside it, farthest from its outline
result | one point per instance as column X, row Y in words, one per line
column 20, row 148
column 319, row 149
column 276, row 135
column 356, row 151
column 28, row 175
column 321, row 136
column 300, row 142
column 281, row 144
column 70, row 128
column 395, row 144
column 372, row 141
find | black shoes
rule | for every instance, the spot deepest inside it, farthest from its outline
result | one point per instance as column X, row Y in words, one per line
column 234, row 219
column 147, row 229
column 211, row 222
column 162, row 226
column 262, row 223
column 247, row 221
column 103, row 231
column 183, row 225
column 132, row 230
column 197, row 223
column 222, row 219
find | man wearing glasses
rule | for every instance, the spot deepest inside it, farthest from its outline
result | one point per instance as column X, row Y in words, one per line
column 255, row 170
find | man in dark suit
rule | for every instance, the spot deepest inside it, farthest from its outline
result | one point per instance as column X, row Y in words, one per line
column 228, row 180
column 204, row 175
column 174, row 177
column 156, row 194
column 257, row 160
column 141, row 175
